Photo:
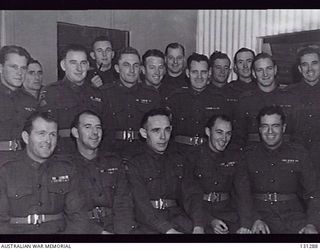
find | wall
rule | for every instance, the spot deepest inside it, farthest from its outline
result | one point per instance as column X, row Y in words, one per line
column 229, row 30
column 37, row 30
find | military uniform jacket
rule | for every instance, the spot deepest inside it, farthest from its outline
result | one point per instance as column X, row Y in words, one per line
column 285, row 170
column 104, row 184
column 251, row 102
column 28, row 187
column 176, row 82
column 240, row 87
column 108, row 77
column 154, row 176
column 223, row 172
column 191, row 110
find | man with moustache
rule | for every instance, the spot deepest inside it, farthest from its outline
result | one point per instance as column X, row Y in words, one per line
column 39, row 191
column 166, row 199
column 128, row 101
column 193, row 106
column 283, row 181
column 67, row 97
column 34, row 76
column 267, row 93
column 222, row 176
column 103, row 179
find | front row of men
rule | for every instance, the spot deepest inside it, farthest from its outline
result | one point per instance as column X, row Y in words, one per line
column 271, row 187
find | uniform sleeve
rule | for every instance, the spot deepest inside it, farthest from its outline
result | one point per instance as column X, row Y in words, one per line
column 142, row 200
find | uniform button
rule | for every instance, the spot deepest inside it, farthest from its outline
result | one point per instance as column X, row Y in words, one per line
column 61, row 191
column 272, row 164
column 197, row 122
column 150, row 178
column 216, row 183
column 272, row 180
column 113, row 113
column 113, row 187
column 310, row 140
column 130, row 116
column 180, row 177
column 133, row 226
column 200, row 175
column 40, row 204
column 39, row 186
column 310, row 115
column 257, row 172
column 16, row 195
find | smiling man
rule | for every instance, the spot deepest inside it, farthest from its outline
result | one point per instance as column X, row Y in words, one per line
column 282, row 177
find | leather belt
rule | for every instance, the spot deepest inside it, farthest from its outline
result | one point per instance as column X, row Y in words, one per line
column 36, row 218
column 64, row 132
column 99, row 212
column 216, row 197
column 274, row 197
column 255, row 137
column 13, row 145
column 127, row 135
column 193, row 141
column 163, row 203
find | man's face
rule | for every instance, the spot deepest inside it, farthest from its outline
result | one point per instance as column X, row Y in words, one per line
column 42, row 139
column 13, row 70
column 243, row 64
column 219, row 135
column 271, row 130
column 175, row 60
column 221, row 70
column 103, row 53
column 157, row 133
column 310, row 68
column 265, row 72
column 89, row 132
column 128, row 68
column 198, row 74
column 154, row 70
column 75, row 66
column 33, row 79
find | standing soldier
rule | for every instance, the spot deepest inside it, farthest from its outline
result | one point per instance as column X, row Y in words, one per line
column 128, row 100
column 166, row 199
column 39, row 192
column 67, row 97
column 222, row 176
column 193, row 106
column 283, row 180
column 103, row 179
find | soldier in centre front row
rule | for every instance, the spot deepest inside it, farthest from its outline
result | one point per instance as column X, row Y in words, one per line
column 102, row 178
column 284, row 183
column 166, row 199
column 221, row 174
column 39, row 191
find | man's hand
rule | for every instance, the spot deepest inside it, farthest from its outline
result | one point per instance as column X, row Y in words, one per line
column 105, row 232
column 260, row 226
column 198, row 230
column 219, row 227
column 308, row 229
column 96, row 81
column 244, row 230
column 173, row 231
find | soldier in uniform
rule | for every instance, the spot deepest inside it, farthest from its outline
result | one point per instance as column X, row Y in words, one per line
column 268, row 93
column 103, row 179
column 175, row 62
column 102, row 74
column 67, row 97
column 222, row 176
column 34, row 76
column 283, row 180
column 39, row 192
column 166, row 199
column 128, row 100
column 14, row 107
column 193, row 106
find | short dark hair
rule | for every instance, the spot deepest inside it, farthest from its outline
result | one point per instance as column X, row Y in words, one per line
column 73, row 47
column 174, row 46
column 243, row 49
column 101, row 39
column 45, row 115
column 75, row 122
column 13, row 49
column 218, row 55
column 31, row 61
column 311, row 49
column 211, row 122
column 271, row 110
column 127, row 50
column 198, row 58
column 152, row 52
column 262, row 55
column 154, row 112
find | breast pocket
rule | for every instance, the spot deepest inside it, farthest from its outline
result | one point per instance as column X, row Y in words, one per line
column 65, row 109
column 17, row 193
column 109, row 178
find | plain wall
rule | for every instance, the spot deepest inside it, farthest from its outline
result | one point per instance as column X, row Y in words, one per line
column 37, row 30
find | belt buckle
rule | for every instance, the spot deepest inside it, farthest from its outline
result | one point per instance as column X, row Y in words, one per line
column 214, row 197
column 129, row 135
column 13, row 145
column 197, row 141
column 160, row 204
column 34, row 219
column 273, row 197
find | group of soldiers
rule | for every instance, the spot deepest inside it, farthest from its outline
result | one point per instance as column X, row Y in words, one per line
column 159, row 143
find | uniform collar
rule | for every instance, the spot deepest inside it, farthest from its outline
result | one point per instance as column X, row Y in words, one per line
column 126, row 89
column 31, row 163
column 5, row 90
column 72, row 85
